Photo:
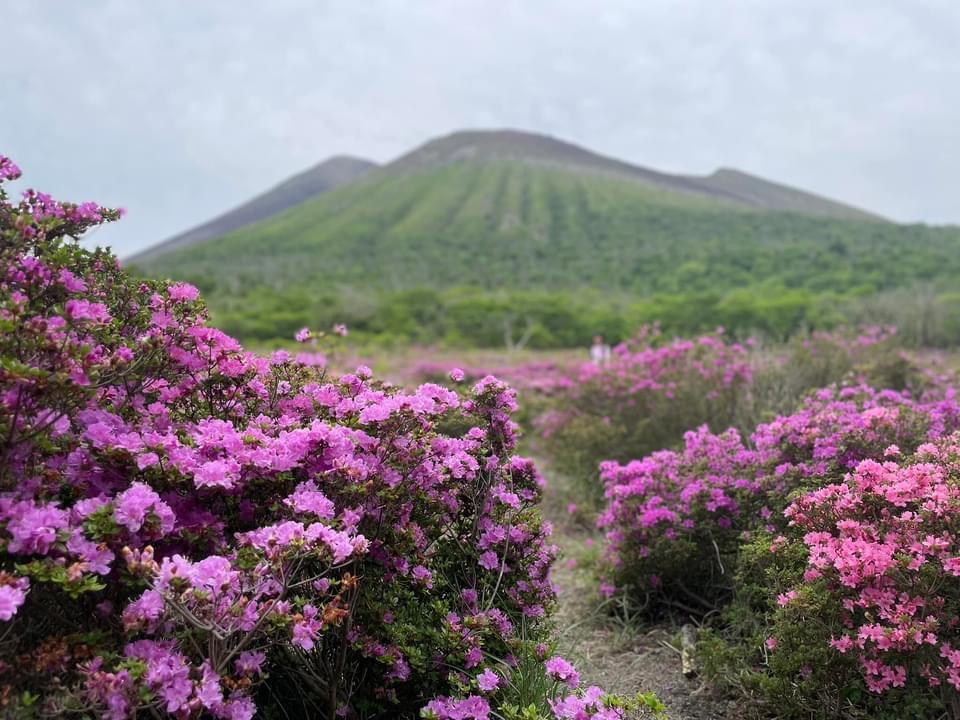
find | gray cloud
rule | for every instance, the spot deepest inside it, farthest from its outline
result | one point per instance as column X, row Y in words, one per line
column 179, row 110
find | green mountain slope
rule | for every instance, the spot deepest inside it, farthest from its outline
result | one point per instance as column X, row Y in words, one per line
column 402, row 249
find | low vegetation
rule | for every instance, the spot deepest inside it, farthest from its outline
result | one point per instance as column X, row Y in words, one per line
column 817, row 549
column 189, row 529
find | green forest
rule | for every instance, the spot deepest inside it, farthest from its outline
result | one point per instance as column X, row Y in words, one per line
column 495, row 253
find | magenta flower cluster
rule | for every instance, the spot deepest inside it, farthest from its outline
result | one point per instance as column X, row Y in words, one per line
column 181, row 519
column 703, row 497
column 540, row 377
column 644, row 365
column 650, row 393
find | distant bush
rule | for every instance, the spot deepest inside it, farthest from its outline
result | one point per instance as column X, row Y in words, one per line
column 535, row 319
column 644, row 400
column 655, row 390
column 547, row 319
column 927, row 315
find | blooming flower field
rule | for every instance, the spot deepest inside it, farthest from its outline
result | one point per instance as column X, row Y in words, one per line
column 188, row 529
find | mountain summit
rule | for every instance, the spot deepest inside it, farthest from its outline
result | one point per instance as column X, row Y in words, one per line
column 480, row 147
column 504, row 208
column 725, row 184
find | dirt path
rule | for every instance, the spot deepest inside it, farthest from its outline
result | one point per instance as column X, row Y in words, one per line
column 621, row 657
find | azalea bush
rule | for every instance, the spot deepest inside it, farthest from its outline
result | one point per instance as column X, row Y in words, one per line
column 538, row 382
column 852, row 609
column 645, row 399
column 531, row 377
column 190, row 529
column 673, row 522
column 676, row 520
column 821, row 551
column 655, row 390
column 884, row 546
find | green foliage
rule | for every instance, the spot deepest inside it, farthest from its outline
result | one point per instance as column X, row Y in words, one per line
column 48, row 571
column 469, row 253
column 927, row 316
column 803, row 677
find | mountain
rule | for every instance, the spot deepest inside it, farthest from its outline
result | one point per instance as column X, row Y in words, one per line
column 333, row 173
column 725, row 184
column 449, row 240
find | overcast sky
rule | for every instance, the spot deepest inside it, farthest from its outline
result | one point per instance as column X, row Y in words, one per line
column 178, row 110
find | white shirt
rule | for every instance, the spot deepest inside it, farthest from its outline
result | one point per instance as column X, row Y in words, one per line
column 600, row 354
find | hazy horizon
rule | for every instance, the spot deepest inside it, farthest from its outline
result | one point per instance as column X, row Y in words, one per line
column 182, row 111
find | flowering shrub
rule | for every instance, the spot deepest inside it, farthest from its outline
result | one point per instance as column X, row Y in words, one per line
column 827, row 540
column 190, row 529
column 652, row 393
column 542, row 377
column 647, row 397
column 537, row 382
column 853, row 607
column 675, row 520
column 885, row 541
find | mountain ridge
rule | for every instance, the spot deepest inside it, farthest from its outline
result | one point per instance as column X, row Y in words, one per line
column 724, row 185
column 327, row 175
